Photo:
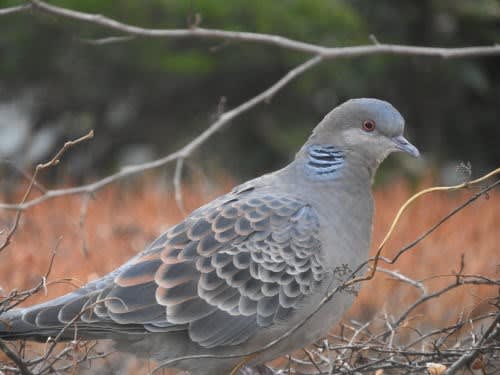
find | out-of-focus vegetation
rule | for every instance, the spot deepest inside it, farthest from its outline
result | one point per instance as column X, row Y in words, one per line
column 147, row 96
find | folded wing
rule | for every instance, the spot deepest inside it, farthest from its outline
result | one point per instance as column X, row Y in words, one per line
column 241, row 262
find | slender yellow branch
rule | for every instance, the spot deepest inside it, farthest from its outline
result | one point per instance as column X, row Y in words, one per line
column 426, row 191
column 404, row 207
column 242, row 363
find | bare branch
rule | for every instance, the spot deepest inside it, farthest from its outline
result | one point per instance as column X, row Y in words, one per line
column 320, row 53
column 15, row 297
column 274, row 40
column 408, row 203
column 468, row 357
column 14, row 9
column 15, row 358
column 183, row 153
column 108, row 40
column 441, row 221
column 52, row 162
column 23, row 173
column 177, row 185
column 399, row 276
column 364, row 350
column 67, row 145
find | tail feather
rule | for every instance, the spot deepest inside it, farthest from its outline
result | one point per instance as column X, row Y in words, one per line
column 67, row 317
column 14, row 327
column 99, row 310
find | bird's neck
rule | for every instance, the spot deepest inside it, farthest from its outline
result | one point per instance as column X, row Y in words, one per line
column 323, row 162
column 343, row 200
column 331, row 165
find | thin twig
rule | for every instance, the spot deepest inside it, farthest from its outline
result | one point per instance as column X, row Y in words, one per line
column 15, row 298
column 14, row 9
column 183, row 152
column 440, row 222
column 177, row 185
column 274, row 40
column 399, row 276
column 108, row 40
column 28, row 177
column 52, row 162
column 320, row 53
column 408, row 203
column 15, row 358
column 83, row 216
column 470, row 355
column 311, row 359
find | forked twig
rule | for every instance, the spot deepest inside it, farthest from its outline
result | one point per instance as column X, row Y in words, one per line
column 52, row 162
column 409, row 202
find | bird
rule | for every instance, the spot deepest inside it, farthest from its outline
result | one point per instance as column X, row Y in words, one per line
column 242, row 279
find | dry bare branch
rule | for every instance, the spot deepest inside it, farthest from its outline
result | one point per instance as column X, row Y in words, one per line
column 182, row 153
column 365, row 349
column 15, row 358
column 399, row 276
column 320, row 53
column 15, row 297
column 52, row 162
column 14, row 9
column 274, row 40
column 469, row 356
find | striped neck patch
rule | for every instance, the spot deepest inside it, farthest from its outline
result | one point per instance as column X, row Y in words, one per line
column 324, row 161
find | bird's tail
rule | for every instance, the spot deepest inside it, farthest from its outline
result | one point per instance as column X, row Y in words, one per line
column 44, row 320
column 75, row 315
column 14, row 327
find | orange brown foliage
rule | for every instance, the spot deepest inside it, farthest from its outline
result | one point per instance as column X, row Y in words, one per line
column 122, row 220
column 473, row 232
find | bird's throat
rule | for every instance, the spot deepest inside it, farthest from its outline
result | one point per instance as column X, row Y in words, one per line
column 324, row 162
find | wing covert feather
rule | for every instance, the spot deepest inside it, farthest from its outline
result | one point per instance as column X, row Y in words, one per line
column 241, row 262
column 244, row 263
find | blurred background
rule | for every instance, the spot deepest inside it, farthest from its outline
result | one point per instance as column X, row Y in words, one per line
column 146, row 97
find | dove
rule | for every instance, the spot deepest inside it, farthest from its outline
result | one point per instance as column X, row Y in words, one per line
column 242, row 279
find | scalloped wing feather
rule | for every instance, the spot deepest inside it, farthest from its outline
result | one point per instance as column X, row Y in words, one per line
column 252, row 257
column 241, row 262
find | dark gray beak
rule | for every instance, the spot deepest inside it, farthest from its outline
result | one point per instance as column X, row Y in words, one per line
column 402, row 144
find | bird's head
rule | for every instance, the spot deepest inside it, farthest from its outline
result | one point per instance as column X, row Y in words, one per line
column 368, row 128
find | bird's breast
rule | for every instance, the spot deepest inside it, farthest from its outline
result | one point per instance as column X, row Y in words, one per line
column 345, row 227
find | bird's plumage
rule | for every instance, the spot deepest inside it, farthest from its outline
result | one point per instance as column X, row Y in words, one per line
column 243, row 269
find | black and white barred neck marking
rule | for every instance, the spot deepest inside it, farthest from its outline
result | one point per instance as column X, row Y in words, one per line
column 324, row 161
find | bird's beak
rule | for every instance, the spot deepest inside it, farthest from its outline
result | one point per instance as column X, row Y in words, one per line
column 402, row 144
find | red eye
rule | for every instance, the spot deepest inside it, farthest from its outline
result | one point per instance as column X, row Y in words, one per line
column 369, row 126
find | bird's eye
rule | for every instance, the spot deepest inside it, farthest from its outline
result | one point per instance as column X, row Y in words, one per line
column 369, row 126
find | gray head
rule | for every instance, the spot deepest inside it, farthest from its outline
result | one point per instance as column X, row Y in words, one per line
column 369, row 128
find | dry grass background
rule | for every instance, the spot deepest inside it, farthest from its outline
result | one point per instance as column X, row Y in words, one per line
column 121, row 220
